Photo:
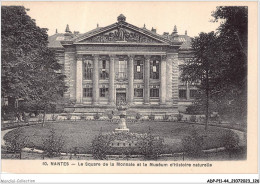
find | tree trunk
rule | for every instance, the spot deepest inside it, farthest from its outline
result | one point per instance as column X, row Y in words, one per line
column 183, row 156
column 43, row 119
column 207, row 100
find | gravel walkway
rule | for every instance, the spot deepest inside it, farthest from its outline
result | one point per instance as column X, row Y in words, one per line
column 3, row 134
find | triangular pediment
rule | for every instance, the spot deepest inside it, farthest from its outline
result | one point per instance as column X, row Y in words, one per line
column 122, row 33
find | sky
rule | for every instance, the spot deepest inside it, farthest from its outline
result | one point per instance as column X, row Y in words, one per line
column 84, row 16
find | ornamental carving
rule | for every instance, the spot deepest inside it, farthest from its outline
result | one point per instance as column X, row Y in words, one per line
column 121, row 35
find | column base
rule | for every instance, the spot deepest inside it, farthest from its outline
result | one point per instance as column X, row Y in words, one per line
column 112, row 104
column 163, row 103
column 168, row 102
column 146, row 103
column 95, row 103
column 130, row 103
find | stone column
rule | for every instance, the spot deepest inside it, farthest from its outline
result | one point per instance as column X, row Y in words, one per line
column 130, row 79
column 95, row 81
column 187, row 91
column 147, row 80
column 168, row 81
column 112, row 80
column 163, row 81
column 79, row 89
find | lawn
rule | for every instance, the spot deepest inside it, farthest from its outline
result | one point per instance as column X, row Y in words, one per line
column 80, row 134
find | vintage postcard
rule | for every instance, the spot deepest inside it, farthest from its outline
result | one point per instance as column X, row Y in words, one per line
column 129, row 87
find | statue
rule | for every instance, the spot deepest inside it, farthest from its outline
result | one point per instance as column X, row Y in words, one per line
column 121, row 33
column 122, row 107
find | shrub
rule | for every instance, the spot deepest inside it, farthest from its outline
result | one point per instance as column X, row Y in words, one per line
column 25, row 117
column 150, row 146
column 193, row 118
column 83, row 116
column 230, row 141
column 138, row 116
column 151, row 117
column 53, row 145
column 54, row 117
column 179, row 117
column 110, row 116
column 193, row 144
column 195, row 109
column 40, row 117
column 100, row 147
column 68, row 116
column 96, row 116
column 166, row 117
column 15, row 144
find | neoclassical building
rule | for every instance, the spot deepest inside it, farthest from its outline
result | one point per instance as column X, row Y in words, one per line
column 122, row 62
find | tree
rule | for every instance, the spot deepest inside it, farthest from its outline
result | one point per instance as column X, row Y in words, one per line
column 220, row 65
column 231, row 89
column 202, row 69
column 29, row 68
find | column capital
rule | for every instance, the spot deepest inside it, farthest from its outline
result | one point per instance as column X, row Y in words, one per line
column 96, row 56
column 79, row 57
column 112, row 56
column 131, row 56
column 164, row 57
column 147, row 57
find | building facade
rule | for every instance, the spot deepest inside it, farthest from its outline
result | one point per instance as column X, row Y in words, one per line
column 122, row 62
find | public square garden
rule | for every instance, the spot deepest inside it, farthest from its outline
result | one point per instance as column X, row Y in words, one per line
column 71, row 137
column 35, row 83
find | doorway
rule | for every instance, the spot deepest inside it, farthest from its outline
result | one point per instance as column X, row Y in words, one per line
column 120, row 97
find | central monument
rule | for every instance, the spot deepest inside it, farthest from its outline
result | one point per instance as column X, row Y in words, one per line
column 122, row 107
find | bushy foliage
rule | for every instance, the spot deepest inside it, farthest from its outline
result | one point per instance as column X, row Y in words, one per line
column 100, row 147
column 15, row 144
column 54, row 117
column 150, row 146
column 110, row 116
column 166, row 117
column 97, row 116
column 193, row 118
column 179, row 117
column 230, row 141
column 83, row 116
column 151, row 117
column 195, row 109
column 193, row 144
column 53, row 145
column 68, row 116
column 138, row 116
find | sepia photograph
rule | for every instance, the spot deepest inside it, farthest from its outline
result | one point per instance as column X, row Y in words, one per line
column 125, row 83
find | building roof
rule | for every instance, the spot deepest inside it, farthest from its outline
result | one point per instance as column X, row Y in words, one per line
column 186, row 41
column 55, row 40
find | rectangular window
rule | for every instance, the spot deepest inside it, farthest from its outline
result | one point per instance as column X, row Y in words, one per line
column 182, row 94
column 103, row 92
column 138, row 69
column 138, row 92
column 154, row 69
column 154, row 92
column 87, row 69
column 193, row 93
column 121, row 70
column 104, row 69
column 87, row 92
